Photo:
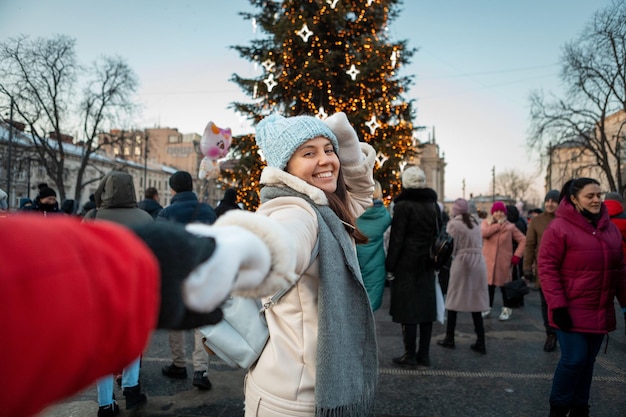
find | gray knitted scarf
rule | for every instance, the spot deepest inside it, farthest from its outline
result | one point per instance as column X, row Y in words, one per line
column 347, row 359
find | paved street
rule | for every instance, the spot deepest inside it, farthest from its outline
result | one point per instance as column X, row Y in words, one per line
column 513, row 379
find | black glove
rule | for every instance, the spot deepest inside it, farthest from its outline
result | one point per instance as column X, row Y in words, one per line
column 178, row 253
column 561, row 317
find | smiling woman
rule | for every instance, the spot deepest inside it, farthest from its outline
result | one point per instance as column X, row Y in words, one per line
column 316, row 163
column 581, row 265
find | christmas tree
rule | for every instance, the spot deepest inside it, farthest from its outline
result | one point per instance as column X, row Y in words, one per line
column 321, row 57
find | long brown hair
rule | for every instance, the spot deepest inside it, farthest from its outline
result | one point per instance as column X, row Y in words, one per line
column 337, row 203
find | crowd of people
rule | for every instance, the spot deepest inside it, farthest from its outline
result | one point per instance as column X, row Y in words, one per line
column 318, row 189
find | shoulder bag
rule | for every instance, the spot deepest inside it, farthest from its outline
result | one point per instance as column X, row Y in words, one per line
column 239, row 338
column 441, row 248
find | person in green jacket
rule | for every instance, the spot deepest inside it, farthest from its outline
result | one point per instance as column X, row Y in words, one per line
column 373, row 223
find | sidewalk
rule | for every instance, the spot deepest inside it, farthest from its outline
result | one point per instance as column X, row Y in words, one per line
column 513, row 379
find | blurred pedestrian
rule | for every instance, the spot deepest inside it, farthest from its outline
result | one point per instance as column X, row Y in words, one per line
column 413, row 298
column 68, row 207
column 116, row 202
column 373, row 223
column 4, row 205
column 185, row 208
column 581, row 265
column 533, row 240
column 467, row 289
column 150, row 203
column 46, row 201
column 228, row 202
column 89, row 205
column 615, row 204
column 498, row 237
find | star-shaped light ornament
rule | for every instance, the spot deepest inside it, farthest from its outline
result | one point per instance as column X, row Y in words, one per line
column 254, row 25
column 321, row 113
column 270, row 83
column 369, row 2
column 305, row 33
column 333, row 3
column 372, row 124
column 353, row 72
column 381, row 158
column 268, row 64
column 394, row 58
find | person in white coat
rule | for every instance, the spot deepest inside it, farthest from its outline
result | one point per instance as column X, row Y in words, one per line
column 467, row 289
column 321, row 356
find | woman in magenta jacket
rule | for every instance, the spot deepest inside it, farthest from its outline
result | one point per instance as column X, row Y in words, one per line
column 581, row 266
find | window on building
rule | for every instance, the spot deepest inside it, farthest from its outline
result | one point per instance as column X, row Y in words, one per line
column 173, row 139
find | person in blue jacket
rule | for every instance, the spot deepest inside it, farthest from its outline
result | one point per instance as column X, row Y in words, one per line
column 185, row 208
column 373, row 223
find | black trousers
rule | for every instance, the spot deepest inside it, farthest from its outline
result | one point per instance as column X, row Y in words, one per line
column 492, row 292
column 477, row 318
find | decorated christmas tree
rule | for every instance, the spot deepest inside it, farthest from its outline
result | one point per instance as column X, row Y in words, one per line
column 319, row 57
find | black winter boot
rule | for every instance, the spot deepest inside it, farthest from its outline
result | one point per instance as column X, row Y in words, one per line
column 479, row 346
column 423, row 352
column 134, row 397
column 448, row 341
column 579, row 410
column 409, row 334
column 558, row 410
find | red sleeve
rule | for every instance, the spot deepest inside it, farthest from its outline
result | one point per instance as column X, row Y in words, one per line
column 77, row 301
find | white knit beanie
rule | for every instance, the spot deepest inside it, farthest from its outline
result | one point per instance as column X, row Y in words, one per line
column 278, row 137
column 413, row 177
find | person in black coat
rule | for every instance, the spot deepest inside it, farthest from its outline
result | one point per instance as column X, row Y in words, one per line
column 413, row 299
column 150, row 203
column 229, row 202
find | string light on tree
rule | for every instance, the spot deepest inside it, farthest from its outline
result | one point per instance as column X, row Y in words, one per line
column 270, row 83
column 254, row 25
column 305, row 33
column 309, row 69
column 372, row 124
column 353, row 72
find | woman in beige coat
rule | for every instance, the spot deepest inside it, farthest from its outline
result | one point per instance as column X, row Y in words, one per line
column 321, row 356
column 467, row 289
column 498, row 236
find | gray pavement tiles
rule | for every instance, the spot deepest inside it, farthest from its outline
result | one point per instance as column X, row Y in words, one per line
column 512, row 379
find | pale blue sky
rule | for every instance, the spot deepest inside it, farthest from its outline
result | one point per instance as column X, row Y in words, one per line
column 476, row 65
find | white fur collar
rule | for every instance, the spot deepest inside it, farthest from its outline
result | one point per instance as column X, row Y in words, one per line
column 275, row 176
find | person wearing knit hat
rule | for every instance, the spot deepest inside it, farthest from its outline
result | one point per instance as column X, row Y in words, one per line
column 498, row 206
column 413, row 177
column 278, row 137
column 311, row 164
column 498, row 236
column 416, row 222
column 467, row 288
column 181, row 181
column 615, row 205
column 536, row 227
column 46, row 200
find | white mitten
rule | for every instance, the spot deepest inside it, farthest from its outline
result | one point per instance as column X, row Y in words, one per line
column 240, row 262
column 349, row 147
